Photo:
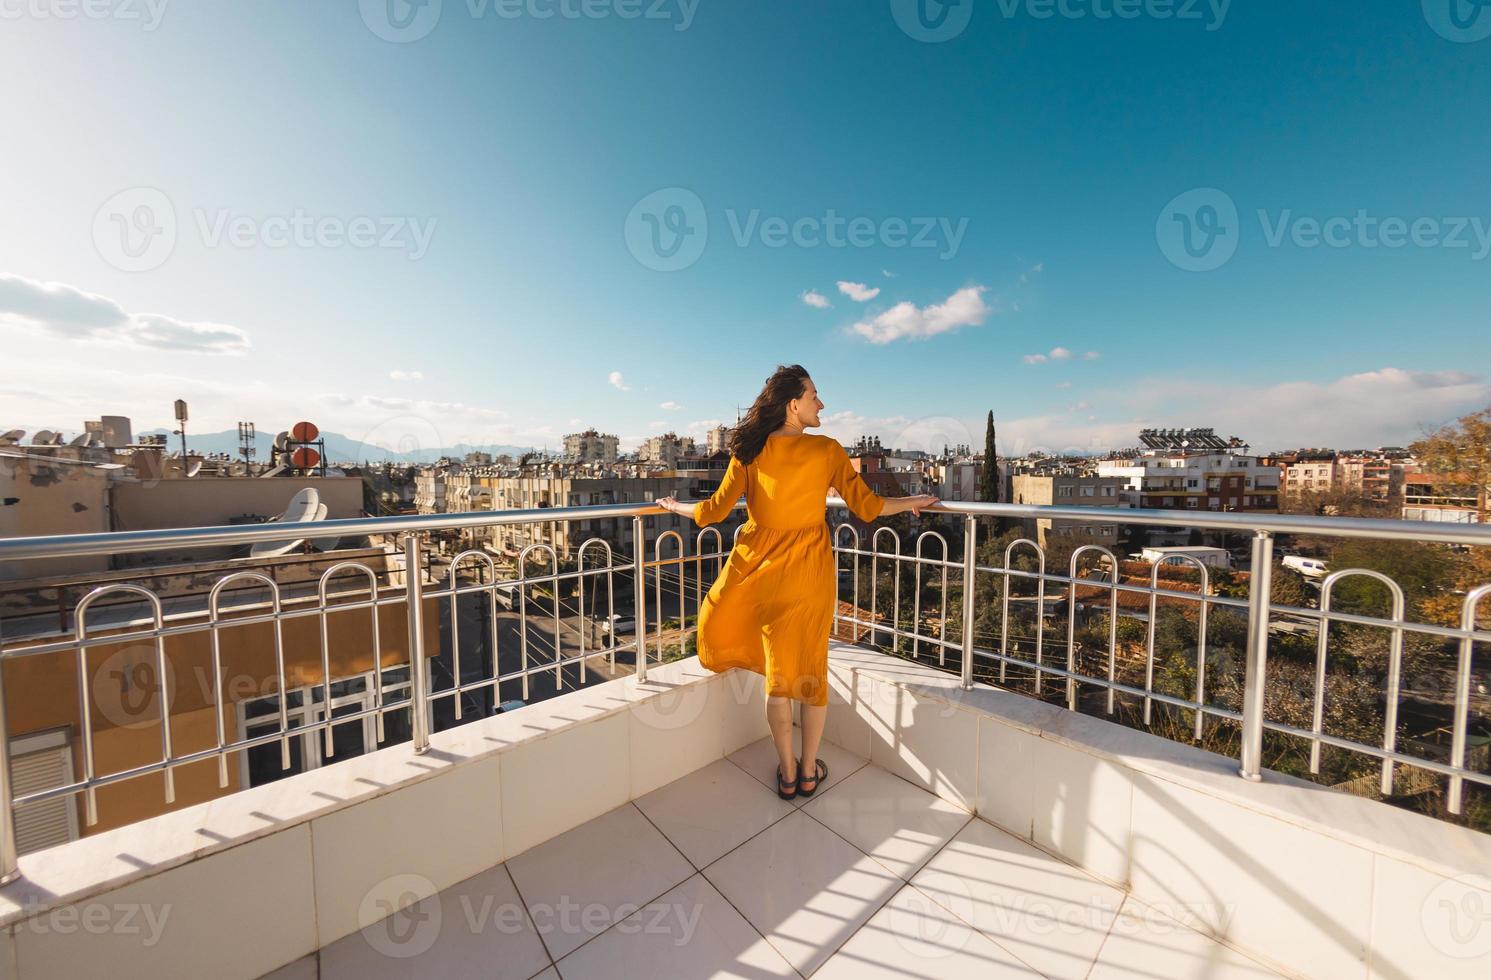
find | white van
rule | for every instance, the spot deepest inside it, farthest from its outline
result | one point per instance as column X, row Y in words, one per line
column 1312, row 567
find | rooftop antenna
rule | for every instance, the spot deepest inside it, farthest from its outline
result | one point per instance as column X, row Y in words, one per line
column 42, row 438
column 13, row 437
column 181, row 418
column 246, row 441
column 81, row 440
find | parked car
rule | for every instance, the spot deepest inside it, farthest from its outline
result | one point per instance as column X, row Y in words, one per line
column 1312, row 567
column 618, row 625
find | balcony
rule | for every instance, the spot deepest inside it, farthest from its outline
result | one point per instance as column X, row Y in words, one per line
column 985, row 814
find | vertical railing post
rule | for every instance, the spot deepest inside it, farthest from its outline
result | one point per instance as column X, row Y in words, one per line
column 639, row 595
column 415, row 611
column 9, row 871
column 970, row 554
column 1261, row 586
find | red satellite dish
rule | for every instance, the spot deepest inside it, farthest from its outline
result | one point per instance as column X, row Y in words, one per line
column 304, row 432
column 305, row 457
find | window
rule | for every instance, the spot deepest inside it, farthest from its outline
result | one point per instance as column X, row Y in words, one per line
column 1110, row 491
column 1191, row 502
column 304, row 707
column 1087, row 491
column 38, row 762
column 1192, row 484
column 1065, row 491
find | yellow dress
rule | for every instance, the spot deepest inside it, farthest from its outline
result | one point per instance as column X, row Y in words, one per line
column 771, row 608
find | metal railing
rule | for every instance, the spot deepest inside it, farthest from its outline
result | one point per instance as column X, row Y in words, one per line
column 1259, row 607
column 419, row 593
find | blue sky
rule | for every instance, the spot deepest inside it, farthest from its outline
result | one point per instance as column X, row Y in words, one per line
column 275, row 212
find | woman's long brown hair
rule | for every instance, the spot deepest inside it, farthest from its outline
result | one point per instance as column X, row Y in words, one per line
column 769, row 412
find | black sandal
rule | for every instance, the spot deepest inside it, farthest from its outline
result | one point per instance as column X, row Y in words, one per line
column 820, row 773
column 785, row 782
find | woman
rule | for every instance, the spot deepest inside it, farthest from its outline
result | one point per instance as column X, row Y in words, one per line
column 771, row 608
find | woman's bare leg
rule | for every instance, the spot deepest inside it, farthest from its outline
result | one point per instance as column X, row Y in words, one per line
column 813, row 717
column 779, row 717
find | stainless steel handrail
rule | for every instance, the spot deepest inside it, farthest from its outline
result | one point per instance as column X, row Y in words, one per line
column 1262, row 528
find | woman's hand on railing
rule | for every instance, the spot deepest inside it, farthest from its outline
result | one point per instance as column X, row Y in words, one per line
column 914, row 503
column 674, row 506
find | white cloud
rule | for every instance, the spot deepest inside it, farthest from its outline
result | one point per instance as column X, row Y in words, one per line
column 1054, row 354
column 398, row 375
column 1091, row 355
column 62, row 311
column 887, row 273
column 671, row 406
column 617, row 381
column 858, row 291
column 816, row 299
column 963, row 308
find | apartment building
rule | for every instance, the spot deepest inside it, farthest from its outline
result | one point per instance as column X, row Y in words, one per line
column 666, row 450
column 429, row 489
column 1442, row 497
column 1070, row 488
column 1193, row 469
column 591, row 446
column 1309, row 471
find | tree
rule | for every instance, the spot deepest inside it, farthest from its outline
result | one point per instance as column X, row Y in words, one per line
column 1462, row 448
column 988, row 490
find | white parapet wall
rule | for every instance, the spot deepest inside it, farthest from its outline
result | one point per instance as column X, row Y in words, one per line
column 245, row 884
column 1316, row 882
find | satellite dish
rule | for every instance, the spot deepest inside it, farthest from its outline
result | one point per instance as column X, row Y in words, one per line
column 43, row 438
column 81, row 440
column 281, row 439
column 194, row 469
column 238, row 469
column 305, row 431
column 13, row 436
column 324, row 544
column 303, row 507
column 305, row 457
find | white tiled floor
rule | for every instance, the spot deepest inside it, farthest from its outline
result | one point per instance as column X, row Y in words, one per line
column 713, row 876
